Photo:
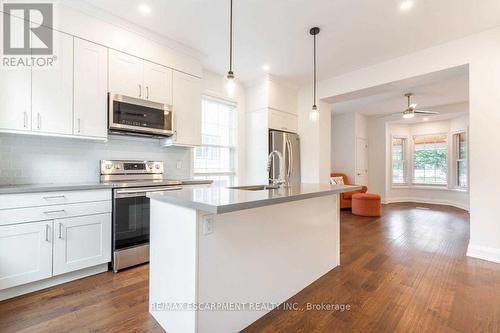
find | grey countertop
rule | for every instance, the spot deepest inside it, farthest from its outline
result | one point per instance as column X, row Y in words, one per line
column 220, row 200
column 56, row 187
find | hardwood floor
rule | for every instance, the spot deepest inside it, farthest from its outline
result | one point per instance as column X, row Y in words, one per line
column 405, row 271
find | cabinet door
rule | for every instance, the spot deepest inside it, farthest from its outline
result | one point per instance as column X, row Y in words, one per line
column 15, row 92
column 25, row 253
column 125, row 74
column 157, row 83
column 186, row 109
column 52, row 90
column 81, row 242
column 90, row 89
column 282, row 121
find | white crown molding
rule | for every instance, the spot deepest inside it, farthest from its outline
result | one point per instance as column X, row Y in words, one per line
column 88, row 9
column 483, row 252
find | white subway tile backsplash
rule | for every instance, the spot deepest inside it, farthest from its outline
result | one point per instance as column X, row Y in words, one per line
column 36, row 159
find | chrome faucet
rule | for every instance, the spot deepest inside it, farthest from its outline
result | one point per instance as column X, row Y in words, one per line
column 281, row 176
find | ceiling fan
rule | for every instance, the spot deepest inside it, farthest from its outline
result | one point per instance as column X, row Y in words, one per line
column 412, row 111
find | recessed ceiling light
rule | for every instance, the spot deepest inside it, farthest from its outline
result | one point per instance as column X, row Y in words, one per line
column 145, row 9
column 266, row 68
column 406, row 5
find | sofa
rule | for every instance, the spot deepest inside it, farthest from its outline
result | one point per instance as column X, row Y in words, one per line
column 346, row 198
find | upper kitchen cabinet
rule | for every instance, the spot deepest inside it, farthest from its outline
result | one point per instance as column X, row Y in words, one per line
column 125, row 74
column 186, row 110
column 15, row 94
column 157, row 83
column 135, row 77
column 52, row 90
column 90, row 89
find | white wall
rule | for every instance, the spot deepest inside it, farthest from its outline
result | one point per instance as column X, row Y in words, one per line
column 28, row 159
column 481, row 52
column 214, row 85
column 343, row 138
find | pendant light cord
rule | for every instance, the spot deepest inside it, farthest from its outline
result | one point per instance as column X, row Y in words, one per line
column 231, row 36
column 314, row 65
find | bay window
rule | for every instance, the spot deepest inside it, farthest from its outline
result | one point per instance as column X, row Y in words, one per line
column 460, row 156
column 430, row 165
column 399, row 160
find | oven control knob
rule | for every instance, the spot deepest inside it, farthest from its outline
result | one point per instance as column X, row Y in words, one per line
column 117, row 166
column 109, row 166
column 157, row 166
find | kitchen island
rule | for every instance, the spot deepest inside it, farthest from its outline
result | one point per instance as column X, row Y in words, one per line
column 221, row 258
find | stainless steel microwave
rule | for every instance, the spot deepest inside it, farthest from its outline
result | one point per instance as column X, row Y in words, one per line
column 128, row 115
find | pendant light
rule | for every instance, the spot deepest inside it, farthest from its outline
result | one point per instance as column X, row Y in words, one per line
column 230, row 79
column 314, row 113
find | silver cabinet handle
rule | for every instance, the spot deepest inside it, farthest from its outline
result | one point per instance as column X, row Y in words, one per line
column 55, row 211
column 140, row 90
column 25, row 119
column 79, row 125
column 147, row 92
column 47, row 229
column 60, row 230
column 55, row 197
column 39, row 121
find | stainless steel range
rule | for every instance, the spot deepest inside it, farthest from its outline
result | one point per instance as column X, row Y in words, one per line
column 131, row 180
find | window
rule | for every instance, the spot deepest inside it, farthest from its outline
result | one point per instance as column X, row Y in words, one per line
column 430, row 160
column 398, row 160
column 460, row 155
column 216, row 158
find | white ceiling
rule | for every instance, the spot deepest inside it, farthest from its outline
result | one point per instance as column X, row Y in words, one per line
column 431, row 92
column 355, row 33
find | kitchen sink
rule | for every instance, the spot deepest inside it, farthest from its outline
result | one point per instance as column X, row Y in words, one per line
column 255, row 187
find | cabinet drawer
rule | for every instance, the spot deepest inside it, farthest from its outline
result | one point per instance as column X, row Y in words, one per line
column 282, row 121
column 21, row 215
column 9, row 201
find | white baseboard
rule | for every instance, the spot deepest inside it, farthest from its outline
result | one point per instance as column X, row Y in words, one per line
column 484, row 252
column 426, row 201
column 50, row 282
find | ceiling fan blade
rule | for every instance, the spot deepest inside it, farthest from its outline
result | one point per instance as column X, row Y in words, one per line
column 425, row 112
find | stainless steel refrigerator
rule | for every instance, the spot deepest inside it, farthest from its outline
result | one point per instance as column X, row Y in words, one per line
column 288, row 144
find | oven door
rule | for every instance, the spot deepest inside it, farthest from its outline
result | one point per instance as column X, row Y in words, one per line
column 128, row 114
column 131, row 215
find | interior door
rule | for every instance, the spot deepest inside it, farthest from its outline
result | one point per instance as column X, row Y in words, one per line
column 25, row 253
column 52, row 90
column 90, row 89
column 125, row 75
column 81, row 242
column 361, row 161
column 158, row 83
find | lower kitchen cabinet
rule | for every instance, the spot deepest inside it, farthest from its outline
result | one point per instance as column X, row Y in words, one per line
column 81, row 242
column 25, row 253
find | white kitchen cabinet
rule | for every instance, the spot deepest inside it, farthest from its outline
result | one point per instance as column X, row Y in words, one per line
column 15, row 93
column 125, row 74
column 90, row 89
column 282, row 121
column 157, row 83
column 52, row 90
column 25, row 253
column 186, row 110
column 81, row 242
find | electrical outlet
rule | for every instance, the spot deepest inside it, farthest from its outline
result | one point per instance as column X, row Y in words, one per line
column 208, row 225
column 179, row 165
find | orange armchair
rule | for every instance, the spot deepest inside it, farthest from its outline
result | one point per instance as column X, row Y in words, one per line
column 346, row 197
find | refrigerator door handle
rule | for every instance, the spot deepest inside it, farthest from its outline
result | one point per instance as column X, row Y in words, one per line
column 290, row 159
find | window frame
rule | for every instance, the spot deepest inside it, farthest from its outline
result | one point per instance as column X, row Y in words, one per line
column 455, row 158
column 405, row 160
column 412, row 163
column 233, row 149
